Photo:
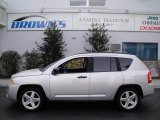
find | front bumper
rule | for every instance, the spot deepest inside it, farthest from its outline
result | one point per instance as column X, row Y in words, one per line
column 11, row 92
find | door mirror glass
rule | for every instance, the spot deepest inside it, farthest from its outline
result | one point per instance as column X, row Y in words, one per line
column 55, row 71
column 58, row 70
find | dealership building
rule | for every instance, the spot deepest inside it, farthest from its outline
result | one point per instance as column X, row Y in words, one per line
column 133, row 24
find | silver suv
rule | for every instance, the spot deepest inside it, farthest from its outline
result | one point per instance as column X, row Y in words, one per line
column 94, row 76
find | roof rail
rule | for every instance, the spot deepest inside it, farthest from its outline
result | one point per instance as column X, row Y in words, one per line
column 103, row 52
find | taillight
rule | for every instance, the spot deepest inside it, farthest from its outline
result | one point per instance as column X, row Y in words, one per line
column 149, row 77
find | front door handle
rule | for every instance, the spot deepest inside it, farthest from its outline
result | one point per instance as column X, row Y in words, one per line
column 82, row 77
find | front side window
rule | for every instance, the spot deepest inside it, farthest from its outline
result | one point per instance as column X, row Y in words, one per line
column 101, row 64
column 75, row 65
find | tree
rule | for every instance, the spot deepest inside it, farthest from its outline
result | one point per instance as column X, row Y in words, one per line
column 31, row 60
column 53, row 45
column 98, row 38
column 9, row 62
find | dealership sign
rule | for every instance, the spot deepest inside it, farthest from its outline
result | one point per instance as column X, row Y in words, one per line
column 147, row 22
column 117, row 22
column 83, row 21
column 38, row 21
column 29, row 24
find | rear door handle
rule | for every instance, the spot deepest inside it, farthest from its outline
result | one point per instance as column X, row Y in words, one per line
column 82, row 77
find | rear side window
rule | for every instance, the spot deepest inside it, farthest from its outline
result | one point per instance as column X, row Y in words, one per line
column 101, row 64
column 125, row 63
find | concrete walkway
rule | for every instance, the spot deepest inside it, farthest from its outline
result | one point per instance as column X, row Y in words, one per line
column 4, row 83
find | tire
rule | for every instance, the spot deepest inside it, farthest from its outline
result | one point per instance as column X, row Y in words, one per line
column 128, row 99
column 31, row 99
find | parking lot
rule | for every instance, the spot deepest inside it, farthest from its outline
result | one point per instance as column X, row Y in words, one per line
column 148, row 110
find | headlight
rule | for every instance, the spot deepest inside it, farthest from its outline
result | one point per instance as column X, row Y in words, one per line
column 11, row 82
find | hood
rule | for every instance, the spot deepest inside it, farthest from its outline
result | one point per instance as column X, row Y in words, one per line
column 32, row 72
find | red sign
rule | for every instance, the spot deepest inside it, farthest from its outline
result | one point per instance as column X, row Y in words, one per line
column 150, row 28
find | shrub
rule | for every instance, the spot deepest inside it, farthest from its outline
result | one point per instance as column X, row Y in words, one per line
column 97, row 38
column 31, row 60
column 9, row 63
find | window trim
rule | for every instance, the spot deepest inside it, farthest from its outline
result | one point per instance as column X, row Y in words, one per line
column 117, row 64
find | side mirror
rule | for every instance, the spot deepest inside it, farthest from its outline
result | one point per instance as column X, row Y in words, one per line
column 55, row 71
column 58, row 70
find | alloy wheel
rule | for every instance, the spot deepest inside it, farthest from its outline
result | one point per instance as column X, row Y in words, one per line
column 31, row 100
column 128, row 100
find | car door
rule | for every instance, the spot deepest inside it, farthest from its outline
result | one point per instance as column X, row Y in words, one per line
column 105, row 78
column 72, row 80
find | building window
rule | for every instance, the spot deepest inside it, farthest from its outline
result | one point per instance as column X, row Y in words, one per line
column 145, row 51
column 78, row 3
column 97, row 2
column 87, row 3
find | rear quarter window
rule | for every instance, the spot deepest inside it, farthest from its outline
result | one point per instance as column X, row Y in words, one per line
column 125, row 63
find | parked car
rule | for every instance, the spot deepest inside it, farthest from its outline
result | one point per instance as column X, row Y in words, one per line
column 121, row 78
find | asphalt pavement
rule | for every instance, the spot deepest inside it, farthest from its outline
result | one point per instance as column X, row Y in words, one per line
column 148, row 110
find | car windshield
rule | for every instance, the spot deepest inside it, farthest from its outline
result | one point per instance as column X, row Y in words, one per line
column 48, row 66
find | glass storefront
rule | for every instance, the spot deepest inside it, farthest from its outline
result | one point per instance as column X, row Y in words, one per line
column 145, row 51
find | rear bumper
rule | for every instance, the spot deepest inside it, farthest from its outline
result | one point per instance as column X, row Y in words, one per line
column 148, row 89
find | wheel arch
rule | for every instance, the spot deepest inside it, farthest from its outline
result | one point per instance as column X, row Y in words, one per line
column 133, row 86
column 22, row 87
